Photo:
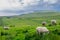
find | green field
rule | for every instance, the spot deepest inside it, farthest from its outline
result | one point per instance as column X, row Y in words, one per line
column 23, row 27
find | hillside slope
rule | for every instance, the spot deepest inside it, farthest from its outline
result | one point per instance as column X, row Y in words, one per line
column 23, row 27
column 40, row 14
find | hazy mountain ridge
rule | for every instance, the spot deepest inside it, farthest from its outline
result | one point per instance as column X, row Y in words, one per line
column 40, row 14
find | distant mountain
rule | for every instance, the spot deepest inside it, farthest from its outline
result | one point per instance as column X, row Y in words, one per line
column 41, row 14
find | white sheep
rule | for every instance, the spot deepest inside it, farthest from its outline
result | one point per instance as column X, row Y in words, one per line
column 42, row 30
column 6, row 28
column 43, row 23
column 53, row 22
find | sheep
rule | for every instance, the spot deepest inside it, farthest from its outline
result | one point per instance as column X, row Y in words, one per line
column 53, row 22
column 42, row 30
column 6, row 28
column 44, row 23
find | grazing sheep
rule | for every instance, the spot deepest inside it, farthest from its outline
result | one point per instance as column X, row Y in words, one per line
column 44, row 23
column 42, row 30
column 53, row 22
column 6, row 28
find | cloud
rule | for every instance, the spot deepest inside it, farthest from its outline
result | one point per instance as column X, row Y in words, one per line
column 16, row 4
column 30, row 2
column 19, row 6
column 51, row 1
column 23, row 4
column 7, row 14
column 10, row 4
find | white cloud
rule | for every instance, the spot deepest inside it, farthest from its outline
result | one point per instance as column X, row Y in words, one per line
column 24, row 4
column 10, row 4
column 51, row 1
column 16, row 4
column 30, row 2
column 7, row 14
column 21, row 4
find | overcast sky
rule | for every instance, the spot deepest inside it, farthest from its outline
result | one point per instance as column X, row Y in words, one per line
column 13, row 7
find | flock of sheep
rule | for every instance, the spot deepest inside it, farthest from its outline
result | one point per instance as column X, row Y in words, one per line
column 42, row 29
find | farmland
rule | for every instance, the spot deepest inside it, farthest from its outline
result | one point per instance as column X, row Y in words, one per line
column 23, row 27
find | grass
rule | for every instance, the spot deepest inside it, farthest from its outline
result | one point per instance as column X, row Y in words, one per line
column 22, row 28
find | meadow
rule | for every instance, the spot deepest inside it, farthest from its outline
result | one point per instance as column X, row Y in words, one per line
column 23, row 27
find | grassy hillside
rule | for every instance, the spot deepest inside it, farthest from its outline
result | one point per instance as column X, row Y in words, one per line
column 23, row 27
column 40, row 14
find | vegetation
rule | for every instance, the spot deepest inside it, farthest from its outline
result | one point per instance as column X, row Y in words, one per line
column 23, row 27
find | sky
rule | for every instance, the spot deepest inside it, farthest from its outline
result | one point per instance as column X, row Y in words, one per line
column 16, row 7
